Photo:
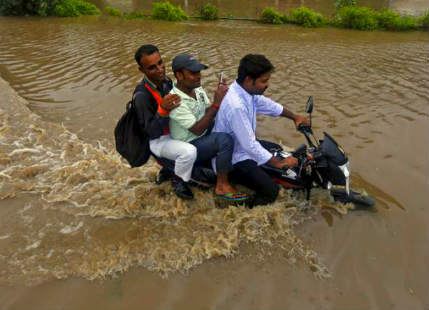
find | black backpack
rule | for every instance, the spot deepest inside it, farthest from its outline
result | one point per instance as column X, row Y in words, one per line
column 131, row 142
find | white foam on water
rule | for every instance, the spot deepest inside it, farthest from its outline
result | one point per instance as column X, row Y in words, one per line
column 71, row 229
column 34, row 245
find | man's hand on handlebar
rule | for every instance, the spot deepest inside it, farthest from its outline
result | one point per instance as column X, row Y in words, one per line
column 289, row 162
column 301, row 120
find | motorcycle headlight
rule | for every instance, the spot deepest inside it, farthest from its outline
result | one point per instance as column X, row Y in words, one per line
column 346, row 171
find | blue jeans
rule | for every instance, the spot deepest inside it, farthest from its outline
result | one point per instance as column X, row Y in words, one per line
column 215, row 144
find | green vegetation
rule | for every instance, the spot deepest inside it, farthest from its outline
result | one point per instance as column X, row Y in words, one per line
column 134, row 15
column 26, row 7
column 387, row 19
column 60, row 8
column 69, row 8
column 391, row 20
column 209, row 12
column 348, row 16
column 423, row 21
column 271, row 16
column 342, row 3
column 167, row 11
column 301, row 16
column 305, row 17
column 108, row 10
column 361, row 18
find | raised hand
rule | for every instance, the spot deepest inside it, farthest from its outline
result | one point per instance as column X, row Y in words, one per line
column 170, row 102
column 220, row 92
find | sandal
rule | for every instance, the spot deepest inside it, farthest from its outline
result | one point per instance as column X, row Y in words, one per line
column 235, row 196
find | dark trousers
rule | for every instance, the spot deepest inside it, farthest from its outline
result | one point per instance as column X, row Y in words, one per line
column 215, row 144
column 249, row 174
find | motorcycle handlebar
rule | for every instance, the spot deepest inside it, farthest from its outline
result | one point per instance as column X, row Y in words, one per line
column 285, row 167
column 304, row 129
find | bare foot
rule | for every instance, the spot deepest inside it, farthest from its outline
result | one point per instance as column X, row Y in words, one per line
column 222, row 189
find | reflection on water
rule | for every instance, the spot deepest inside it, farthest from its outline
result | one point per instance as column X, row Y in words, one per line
column 72, row 207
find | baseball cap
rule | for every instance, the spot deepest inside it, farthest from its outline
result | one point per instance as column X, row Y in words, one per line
column 186, row 61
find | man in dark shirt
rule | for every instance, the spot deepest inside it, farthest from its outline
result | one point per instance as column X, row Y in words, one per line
column 153, row 104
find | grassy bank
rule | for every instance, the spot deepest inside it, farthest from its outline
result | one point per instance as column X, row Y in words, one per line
column 62, row 8
column 350, row 16
column 347, row 15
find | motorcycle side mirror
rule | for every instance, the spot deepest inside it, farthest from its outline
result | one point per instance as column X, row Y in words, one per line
column 309, row 105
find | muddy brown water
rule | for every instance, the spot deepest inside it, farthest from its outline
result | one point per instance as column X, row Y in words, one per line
column 81, row 230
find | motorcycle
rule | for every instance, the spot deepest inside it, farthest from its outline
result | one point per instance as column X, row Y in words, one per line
column 321, row 163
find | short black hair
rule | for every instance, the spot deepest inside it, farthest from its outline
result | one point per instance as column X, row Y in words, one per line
column 253, row 65
column 179, row 70
column 147, row 49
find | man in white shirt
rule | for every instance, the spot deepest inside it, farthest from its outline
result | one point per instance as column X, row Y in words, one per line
column 237, row 117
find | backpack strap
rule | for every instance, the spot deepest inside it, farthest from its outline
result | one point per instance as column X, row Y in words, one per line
column 131, row 103
column 158, row 99
column 161, row 111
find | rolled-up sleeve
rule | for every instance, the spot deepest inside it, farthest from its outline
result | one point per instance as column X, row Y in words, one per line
column 267, row 106
column 245, row 136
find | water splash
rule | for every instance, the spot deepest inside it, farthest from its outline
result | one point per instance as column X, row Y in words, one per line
column 92, row 216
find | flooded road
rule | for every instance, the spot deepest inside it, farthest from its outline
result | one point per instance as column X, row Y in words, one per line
column 71, row 210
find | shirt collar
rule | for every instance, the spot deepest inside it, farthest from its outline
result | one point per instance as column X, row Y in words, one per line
column 242, row 92
column 181, row 93
column 151, row 84
column 163, row 89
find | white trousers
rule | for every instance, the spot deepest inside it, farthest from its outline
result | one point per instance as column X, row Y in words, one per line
column 184, row 154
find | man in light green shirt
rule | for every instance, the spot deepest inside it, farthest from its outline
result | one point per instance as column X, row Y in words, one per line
column 189, row 111
column 191, row 120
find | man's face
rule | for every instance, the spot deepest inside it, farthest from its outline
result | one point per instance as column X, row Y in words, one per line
column 189, row 79
column 259, row 85
column 153, row 67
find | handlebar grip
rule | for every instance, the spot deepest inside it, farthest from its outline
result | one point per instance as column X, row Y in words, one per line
column 304, row 128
